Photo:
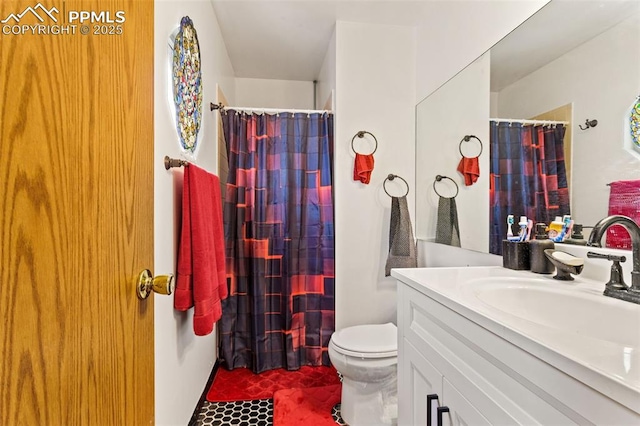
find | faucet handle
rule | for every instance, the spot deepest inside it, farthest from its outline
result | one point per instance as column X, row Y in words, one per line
column 594, row 255
column 616, row 280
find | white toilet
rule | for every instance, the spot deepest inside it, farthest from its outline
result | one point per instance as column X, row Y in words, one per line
column 367, row 357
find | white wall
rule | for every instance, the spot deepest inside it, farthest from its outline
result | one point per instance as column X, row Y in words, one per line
column 433, row 255
column 264, row 93
column 375, row 91
column 459, row 108
column 327, row 77
column 458, row 32
column 601, row 79
column 183, row 361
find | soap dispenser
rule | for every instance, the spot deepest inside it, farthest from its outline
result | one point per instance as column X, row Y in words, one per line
column 576, row 236
column 539, row 262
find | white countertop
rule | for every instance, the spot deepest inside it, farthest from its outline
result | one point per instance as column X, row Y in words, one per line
column 610, row 367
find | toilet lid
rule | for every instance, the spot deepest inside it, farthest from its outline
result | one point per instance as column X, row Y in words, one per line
column 367, row 341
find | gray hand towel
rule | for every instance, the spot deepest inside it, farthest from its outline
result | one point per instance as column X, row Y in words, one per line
column 447, row 229
column 402, row 247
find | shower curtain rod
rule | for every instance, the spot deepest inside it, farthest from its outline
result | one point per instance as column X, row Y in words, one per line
column 269, row 110
column 512, row 120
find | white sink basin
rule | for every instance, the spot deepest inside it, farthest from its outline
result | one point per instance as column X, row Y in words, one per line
column 568, row 309
column 570, row 325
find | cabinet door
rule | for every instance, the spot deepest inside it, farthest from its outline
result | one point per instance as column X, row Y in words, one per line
column 417, row 378
column 461, row 412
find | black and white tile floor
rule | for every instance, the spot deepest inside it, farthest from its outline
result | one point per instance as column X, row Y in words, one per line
column 258, row 412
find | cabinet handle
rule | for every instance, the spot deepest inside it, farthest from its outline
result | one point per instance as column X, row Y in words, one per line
column 441, row 410
column 431, row 412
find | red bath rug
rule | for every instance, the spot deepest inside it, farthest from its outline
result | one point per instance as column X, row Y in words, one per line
column 242, row 384
column 308, row 406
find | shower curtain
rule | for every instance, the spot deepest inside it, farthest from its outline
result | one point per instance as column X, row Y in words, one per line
column 279, row 234
column 528, row 176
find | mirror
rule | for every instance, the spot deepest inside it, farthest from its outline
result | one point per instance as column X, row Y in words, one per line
column 576, row 59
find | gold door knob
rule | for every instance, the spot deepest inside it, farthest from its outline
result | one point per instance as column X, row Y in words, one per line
column 161, row 284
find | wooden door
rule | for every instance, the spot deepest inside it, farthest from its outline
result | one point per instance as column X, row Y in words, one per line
column 76, row 190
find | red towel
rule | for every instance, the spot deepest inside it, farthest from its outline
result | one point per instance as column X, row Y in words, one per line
column 624, row 199
column 470, row 169
column 363, row 167
column 201, row 257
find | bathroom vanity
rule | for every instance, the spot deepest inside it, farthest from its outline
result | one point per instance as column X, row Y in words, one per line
column 504, row 347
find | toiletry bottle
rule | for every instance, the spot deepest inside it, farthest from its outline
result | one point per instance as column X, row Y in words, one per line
column 577, row 232
column 539, row 262
column 567, row 225
column 522, row 225
column 555, row 227
column 577, row 237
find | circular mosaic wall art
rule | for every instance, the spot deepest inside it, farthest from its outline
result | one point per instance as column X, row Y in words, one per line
column 187, row 84
column 634, row 123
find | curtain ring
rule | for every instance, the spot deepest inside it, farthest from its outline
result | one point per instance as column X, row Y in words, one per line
column 467, row 138
column 392, row 177
column 438, row 179
column 360, row 134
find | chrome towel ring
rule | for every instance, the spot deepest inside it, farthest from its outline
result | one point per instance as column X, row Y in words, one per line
column 361, row 134
column 392, row 177
column 467, row 138
column 438, row 179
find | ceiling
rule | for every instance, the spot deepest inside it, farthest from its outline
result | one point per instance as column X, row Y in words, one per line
column 288, row 39
column 556, row 29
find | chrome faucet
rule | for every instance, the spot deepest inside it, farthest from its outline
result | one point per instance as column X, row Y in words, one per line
column 634, row 231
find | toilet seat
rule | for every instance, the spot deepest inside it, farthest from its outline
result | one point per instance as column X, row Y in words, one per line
column 367, row 341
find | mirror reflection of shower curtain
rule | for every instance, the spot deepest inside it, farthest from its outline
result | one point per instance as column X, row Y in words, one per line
column 279, row 234
column 528, row 176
